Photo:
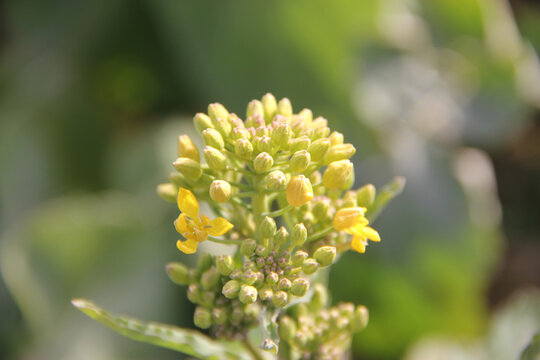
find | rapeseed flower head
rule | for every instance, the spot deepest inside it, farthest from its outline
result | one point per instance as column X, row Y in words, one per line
column 352, row 221
column 193, row 226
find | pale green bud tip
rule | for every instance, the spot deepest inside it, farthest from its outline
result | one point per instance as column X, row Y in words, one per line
column 285, row 107
column 360, row 318
column 272, row 278
column 210, row 279
column 310, row 266
column 248, row 247
column 243, row 148
column 337, row 174
column 319, row 148
column 186, row 148
column 336, row 138
column 280, row 299
column 231, row 289
column 167, row 192
column 320, row 296
column 339, row 152
column 193, row 293
column 220, row 191
column 281, row 135
column 268, row 227
column 276, row 180
column 299, row 161
column 299, row 257
column 178, row 273
column 269, row 104
column 191, row 169
column 215, row 158
column 366, row 195
column 202, row 317
column 254, row 108
column 219, row 316
column 224, row 264
column 202, row 122
column 281, row 237
column 248, row 294
column 299, row 191
column 299, row 235
column 300, row 287
column 325, row 255
column 284, row 284
column 213, row 138
column 266, row 294
column 299, row 143
column 263, row 162
column 286, row 328
column 217, row 111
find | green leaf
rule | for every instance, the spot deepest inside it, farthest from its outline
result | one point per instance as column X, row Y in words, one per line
column 387, row 193
column 532, row 351
column 187, row 341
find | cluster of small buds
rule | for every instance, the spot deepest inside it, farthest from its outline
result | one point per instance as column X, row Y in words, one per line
column 280, row 183
column 314, row 331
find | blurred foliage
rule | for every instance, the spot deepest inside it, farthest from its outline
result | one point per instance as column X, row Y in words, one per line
column 86, row 96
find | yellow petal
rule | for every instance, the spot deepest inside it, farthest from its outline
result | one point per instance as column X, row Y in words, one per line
column 359, row 229
column 187, row 203
column 348, row 217
column 188, row 247
column 372, row 234
column 200, row 235
column 219, row 226
column 358, row 245
column 181, row 225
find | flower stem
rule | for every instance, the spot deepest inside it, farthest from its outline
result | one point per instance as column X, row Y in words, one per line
column 320, row 234
column 278, row 212
column 252, row 350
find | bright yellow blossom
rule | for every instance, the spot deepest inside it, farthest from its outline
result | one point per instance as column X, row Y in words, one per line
column 193, row 226
column 352, row 221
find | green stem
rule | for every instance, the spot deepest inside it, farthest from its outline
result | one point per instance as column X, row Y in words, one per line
column 252, row 350
column 240, row 186
column 279, row 212
column 320, row 234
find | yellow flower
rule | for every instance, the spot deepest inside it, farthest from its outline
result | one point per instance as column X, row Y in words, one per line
column 299, row 191
column 193, row 226
column 352, row 221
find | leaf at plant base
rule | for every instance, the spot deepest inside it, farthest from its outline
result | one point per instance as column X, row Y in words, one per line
column 387, row 193
column 187, row 341
column 532, row 351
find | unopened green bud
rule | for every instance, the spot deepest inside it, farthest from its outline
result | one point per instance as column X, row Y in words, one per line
column 231, row 289
column 281, row 135
column 259, row 279
column 306, row 115
column 365, row 196
column 262, row 131
column 202, row 122
column 178, row 273
column 223, row 126
column 194, row 293
column 299, row 257
column 360, row 318
column 319, row 148
column 213, row 138
column 280, row 299
column 299, row 235
column 178, row 179
column 262, row 144
column 266, row 294
column 219, row 316
column 321, row 132
column 191, row 169
column 249, row 277
column 248, row 294
column 286, row 328
column 337, row 174
column 167, row 192
column 202, row 317
column 240, row 132
column 325, row 255
column 268, row 227
column 270, row 346
column 269, row 104
column 284, row 284
column 215, row 158
column 299, row 287
column 263, row 162
column 262, row 250
column 248, row 247
column 310, row 266
column 349, row 199
column 276, row 181
column 285, row 107
column 224, row 264
column 321, row 208
column 186, row 148
column 299, row 143
column 336, row 138
column 210, row 278
column 243, row 148
column 320, row 296
column 220, row 191
column 217, row 111
column 339, row 152
column 272, row 278
column 299, row 161
column 281, row 236
column 205, row 262
column 255, row 107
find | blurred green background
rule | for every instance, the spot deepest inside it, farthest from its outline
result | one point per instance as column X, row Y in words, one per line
column 446, row 93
